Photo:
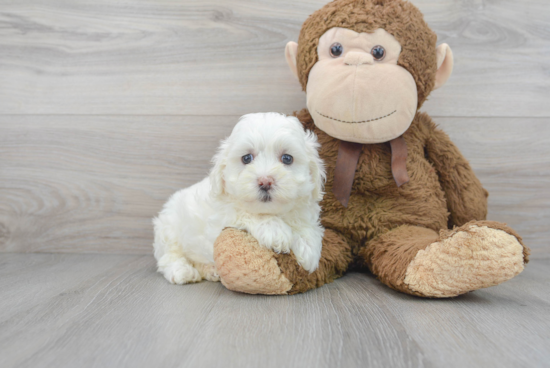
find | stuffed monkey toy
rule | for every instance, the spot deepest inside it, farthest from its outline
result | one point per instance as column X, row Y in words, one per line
column 401, row 200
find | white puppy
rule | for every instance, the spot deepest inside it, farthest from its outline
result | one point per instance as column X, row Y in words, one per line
column 267, row 179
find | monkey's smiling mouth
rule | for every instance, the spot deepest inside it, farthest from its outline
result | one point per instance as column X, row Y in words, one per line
column 356, row 122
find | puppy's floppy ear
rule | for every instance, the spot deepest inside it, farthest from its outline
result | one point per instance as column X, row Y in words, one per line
column 316, row 165
column 216, row 174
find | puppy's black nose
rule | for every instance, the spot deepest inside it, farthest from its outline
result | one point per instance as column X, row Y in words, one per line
column 265, row 183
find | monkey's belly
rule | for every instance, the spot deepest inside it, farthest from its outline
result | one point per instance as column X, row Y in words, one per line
column 421, row 202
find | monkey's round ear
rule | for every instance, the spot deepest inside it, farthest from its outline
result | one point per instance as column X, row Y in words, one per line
column 291, row 52
column 444, row 65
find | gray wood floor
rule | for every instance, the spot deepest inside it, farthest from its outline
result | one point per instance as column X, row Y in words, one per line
column 74, row 310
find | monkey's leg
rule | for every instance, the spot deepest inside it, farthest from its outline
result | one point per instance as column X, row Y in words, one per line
column 245, row 266
column 421, row 262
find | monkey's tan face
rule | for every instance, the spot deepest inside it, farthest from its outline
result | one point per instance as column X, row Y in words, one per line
column 356, row 91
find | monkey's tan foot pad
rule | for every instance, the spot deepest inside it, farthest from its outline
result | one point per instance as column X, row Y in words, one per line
column 466, row 259
column 245, row 266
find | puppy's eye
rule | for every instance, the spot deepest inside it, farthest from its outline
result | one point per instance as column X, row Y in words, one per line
column 378, row 52
column 287, row 159
column 336, row 49
column 246, row 159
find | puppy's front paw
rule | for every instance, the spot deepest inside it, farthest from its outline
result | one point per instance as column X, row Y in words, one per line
column 307, row 252
column 273, row 234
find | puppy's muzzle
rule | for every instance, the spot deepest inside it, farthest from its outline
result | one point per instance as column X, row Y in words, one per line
column 265, row 183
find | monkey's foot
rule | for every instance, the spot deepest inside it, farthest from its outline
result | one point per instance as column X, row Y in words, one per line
column 245, row 266
column 474, row 256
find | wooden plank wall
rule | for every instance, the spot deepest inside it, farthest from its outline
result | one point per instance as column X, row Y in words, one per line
column 106, row 108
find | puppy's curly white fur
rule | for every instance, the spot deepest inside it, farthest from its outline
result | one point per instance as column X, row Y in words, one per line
column 267, row 179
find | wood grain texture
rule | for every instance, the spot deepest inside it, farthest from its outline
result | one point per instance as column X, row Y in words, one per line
column 208, row 57
column 511, row 157
column 93, row 183
column 115, row 310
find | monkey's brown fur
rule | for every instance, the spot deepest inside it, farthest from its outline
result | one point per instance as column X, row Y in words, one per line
column 443, row 192
column 385, row 227
column 402, row 19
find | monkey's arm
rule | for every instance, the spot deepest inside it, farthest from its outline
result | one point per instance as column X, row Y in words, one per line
column 247, row 267
column 466, row 198
column 335, row 259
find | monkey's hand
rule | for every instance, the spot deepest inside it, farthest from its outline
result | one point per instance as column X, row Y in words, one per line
column 247, row 267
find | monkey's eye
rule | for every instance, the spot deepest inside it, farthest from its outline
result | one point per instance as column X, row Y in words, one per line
column 287, row 159
column 378, row 52
column 336, row 49
column 246, row 159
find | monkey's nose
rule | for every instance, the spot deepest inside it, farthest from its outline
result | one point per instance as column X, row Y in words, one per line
column 265, row 182
column 358, row 58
